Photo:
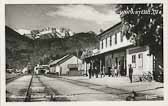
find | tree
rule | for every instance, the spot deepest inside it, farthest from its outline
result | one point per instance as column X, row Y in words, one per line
column 144, row 24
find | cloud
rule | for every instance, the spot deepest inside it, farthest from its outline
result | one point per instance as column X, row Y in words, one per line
column 86, row 12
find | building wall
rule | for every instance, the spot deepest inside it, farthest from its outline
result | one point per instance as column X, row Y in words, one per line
column 52, row 69
column 110, row 59
column 143, row 63
column 86, row 67
column 114, row 36
column 72, row 60
column 119, row 42
column 115, row 41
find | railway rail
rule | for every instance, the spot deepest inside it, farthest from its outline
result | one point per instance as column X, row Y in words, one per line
column 38, row 91
column 12, row 78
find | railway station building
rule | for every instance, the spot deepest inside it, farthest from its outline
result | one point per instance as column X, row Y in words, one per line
column 67, row 65
column 115, row 50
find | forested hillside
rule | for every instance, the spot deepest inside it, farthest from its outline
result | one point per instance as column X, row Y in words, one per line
column 21, row 50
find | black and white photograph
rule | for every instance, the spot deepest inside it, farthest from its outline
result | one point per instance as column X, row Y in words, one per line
column 84, row 52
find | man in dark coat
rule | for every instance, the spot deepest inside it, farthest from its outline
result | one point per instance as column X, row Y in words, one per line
column 130, row 72
column 90, row 73
column 96, row 72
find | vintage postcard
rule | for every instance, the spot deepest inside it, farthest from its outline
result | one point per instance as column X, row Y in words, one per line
column 83, row 52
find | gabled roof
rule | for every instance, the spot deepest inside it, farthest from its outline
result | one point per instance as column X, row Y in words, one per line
column 109, row 29
column 61, row 60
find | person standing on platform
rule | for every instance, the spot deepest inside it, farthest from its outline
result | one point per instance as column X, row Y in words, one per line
column 109, row 71
column 96, row 72
column 130, row 72
column 112, row 71
column 118, row 70
column 103, row 72
column 90, row 73
column 115, row 70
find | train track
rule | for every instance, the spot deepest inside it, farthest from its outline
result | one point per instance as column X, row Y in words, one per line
column 122, row 94
column 10, row 79
column 38, row 91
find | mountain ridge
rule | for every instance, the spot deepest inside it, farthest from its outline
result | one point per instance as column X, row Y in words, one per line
column 21, row 50
column 46, row 33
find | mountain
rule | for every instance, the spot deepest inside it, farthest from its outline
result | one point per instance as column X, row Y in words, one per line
column 46, row 33
column 51, row 49
column 21, row 50
column 18, row 48
column 25, row 32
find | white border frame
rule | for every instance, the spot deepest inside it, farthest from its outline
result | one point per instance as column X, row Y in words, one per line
column 2, row 52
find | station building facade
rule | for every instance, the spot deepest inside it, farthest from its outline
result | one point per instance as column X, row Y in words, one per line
column 116, row 50
column 67, row 65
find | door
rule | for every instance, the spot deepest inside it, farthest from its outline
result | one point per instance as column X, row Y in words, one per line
column 122, row 66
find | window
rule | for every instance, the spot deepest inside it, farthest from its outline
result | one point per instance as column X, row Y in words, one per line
column 102, row 44
column 140, row 60
column 133, row 61
column 121, row 36
column 140, row 56
column 133, row 58
column 106, row 42
column 110, row 40
column 115, row 38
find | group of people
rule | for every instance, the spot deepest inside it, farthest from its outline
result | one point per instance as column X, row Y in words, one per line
column 93, row 72
column 115, row 71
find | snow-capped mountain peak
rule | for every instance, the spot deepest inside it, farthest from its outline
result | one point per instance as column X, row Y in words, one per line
column 23, row 31
column 46, row 33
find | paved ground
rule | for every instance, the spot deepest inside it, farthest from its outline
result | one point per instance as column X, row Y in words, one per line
column 71, row 92
column 84, row 89
column 18, row 87
column 77, row 93
column 155, row 88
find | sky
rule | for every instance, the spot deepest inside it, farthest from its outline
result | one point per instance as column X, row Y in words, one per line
column 77, row 17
